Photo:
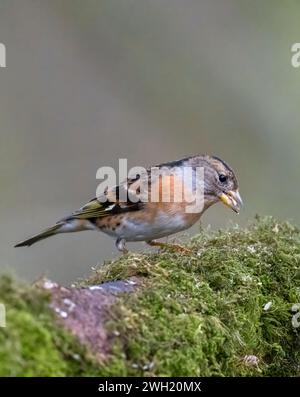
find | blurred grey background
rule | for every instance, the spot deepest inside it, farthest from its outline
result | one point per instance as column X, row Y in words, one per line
column 149, row 80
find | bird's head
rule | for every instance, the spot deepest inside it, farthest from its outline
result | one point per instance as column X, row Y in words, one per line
column 220, row 182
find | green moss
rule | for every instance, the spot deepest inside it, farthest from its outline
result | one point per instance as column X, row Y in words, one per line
column 203, row 313
column 32, row 344
column 200, row 313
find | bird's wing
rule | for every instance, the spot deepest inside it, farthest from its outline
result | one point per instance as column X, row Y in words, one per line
column 112, row 202
column 128, row 196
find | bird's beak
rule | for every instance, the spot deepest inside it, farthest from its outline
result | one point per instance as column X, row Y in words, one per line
column 232, row 199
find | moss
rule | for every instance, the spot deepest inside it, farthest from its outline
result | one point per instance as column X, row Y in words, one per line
column 200, row 313
column 32, row 344
column 203, row 313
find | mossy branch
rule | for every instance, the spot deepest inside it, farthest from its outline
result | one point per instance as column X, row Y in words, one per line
column 225, row 309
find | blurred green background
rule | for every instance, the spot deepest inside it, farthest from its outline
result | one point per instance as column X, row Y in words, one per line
column 88, row 82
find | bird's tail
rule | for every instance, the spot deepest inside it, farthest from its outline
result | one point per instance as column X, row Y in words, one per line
column 51, row 231
column 68, row 225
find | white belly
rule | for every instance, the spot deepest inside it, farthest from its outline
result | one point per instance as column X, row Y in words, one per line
column 136, row 230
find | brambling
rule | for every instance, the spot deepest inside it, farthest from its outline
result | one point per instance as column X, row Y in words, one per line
column 139, row 218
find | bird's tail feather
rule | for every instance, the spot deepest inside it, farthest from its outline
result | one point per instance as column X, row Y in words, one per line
column 68, row 225
column 51, row 231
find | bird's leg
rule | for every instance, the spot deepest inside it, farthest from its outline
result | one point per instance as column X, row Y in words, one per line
column 174, row 247
column 120, row 244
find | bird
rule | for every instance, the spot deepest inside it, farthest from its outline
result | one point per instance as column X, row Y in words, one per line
column 140, row 218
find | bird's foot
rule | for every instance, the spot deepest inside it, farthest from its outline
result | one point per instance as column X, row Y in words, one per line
column 120, row 244
column 172, row 247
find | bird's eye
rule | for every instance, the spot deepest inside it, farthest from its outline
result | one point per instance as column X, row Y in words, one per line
column 222, row 178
